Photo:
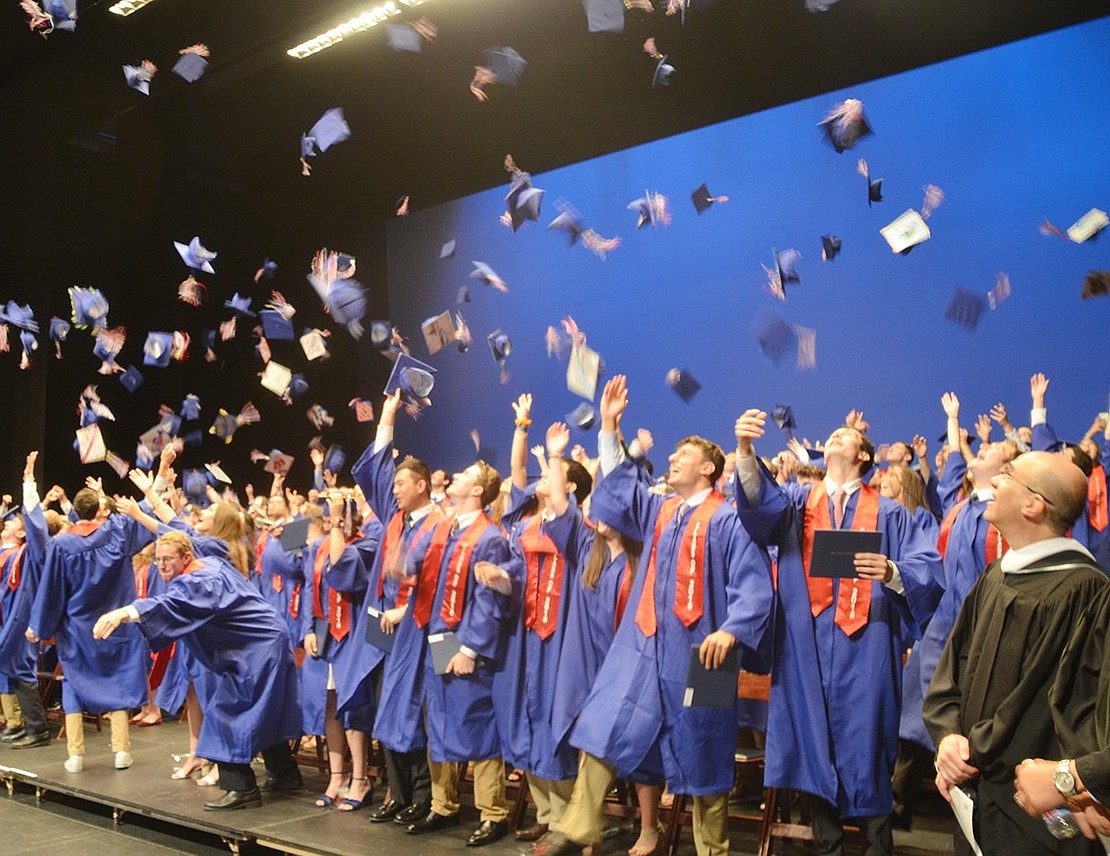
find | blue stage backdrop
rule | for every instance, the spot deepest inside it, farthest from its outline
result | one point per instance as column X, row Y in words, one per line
column 1012, row 136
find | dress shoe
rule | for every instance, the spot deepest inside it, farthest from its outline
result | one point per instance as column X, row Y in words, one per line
column 554, row 844
column 386, row 811
column 282, row 784
column 26, row 741
column 75, row 764
column 532, row 833
column 412, row 813
column 235, row 799
column 433, row 823
column 123, row 760
column 487, row 832
column 9, row 734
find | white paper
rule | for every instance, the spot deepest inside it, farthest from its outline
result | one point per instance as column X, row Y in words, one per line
column 907, row 230
column 1089, row 225
column 963, row 807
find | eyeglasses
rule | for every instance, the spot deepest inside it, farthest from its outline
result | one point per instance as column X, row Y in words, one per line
column 165, row 560
column 1007, row 472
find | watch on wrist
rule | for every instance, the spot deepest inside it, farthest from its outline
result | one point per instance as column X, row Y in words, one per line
column 1063, row 780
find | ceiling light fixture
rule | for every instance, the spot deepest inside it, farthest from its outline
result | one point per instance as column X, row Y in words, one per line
column 358, row 24
column 127, row 7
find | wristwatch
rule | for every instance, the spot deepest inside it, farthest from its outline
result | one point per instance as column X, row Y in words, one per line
column 1063, row 779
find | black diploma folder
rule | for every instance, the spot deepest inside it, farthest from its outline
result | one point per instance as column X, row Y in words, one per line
column 834, row 551
column 374, row 634
column 444, row 646
column 711, row 687
column 322, row 628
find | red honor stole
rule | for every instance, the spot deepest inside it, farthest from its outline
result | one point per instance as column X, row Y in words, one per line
column 690, row 564
column 339, row 603
column 457, row 572
column 541, row 618
column 393, row 549
column 84, row 527
column 995, row 544
column 853, row 604
column 1096, row 499
column 277, row 581
column 16, row 573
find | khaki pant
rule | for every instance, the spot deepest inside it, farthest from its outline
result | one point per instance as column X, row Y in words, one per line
column 551, row 797
column 489, row 788
column 582, row 821
column 121, row 732
column 9, row 704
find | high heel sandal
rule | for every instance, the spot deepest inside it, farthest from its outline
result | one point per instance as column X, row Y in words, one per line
column 209, row 777
column 349, row 804
column 325, row 799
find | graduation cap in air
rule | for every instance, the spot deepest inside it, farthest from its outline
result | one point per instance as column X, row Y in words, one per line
column 193, row 438
column 240, row 304
column 138, row 77
column 786, row 266
column 604, row 16
column 330, row 128
column 108, row 344
column 684, row 384
column 226, row 424
column 651, row 209
column 157, row 349
column 703, row 200
column 335, row 459
column 783, row 417
column 90, row 307
column 462, row 295
column 820, row 5
column 131, row 378
column 51, row 15
column 966, row 308
column 830, row 247
column 194, row 483
column 267, row 271
column 89, row 444
column 195, row 255
column 774, row 336
column 414, row 378
column 1096, row 284
column 663, row 72
column 874, row 185
column 381, row 334
column 845, row 124
column 1088, row 226
column 59, row 330
column 582, row 417
column 447, row 250
column 403, row 38
column 190, row 408
column 314, row 345
column 19, row 315
column 506, row 64
column 905, row 232
column 569, row 221
column 277, row 462
column 523, row 200
column 215, row 471
column 501, row 346
column 364, row 410
column 488, row 276
column 192, row 63
column 298, row 386
column 276, row 325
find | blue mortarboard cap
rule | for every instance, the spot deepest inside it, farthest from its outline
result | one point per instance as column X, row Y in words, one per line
column 59, row 329
column 523, row 200
column 568, row 221
column 267, row 271
column 783, row 417
column 874, row 190
column 663, row 72
column 190, row 408
column 194, row 438
column 196, row 255
column 1095, row 284
column 275, row 325
column 381, row 334
column 138, row 78
column 683, row 383
column 331, row 128
column 965, row 308
column 786, row 266
column 131, row 378
column 346, row 301
column 500, row 345
column 845, row 125
column 703, row 200
column 106, row 348
column 604, row 16
column 463, row 294
column 582, row 417
column 775, row 337
column 63, row 14
column 208, row 338
column 506, row 64
column 241, row 304
column 195, row 485
column 158, row 349
column 90, row 307
column 403, row 38
column 298, row 386
column 20, row 316
column 190, row 66
column 830, row 247
column 335, row 459
column 414, row 378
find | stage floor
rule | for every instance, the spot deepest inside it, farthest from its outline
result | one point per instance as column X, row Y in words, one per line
column 141, row 810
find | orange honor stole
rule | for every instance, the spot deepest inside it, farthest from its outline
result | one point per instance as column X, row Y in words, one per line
column 457, row 572
column 536, row 545
column 853, row 605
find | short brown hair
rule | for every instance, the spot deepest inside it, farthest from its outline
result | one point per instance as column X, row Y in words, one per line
column 489, row 480
column 419, row 470
column 86, row 503
column 177, row 538
column 710, row 451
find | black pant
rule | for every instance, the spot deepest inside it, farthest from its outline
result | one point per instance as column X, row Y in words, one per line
column 240, row 777
column 410, row 782
column 34, row 717
column 913, row 765
column 828, row 831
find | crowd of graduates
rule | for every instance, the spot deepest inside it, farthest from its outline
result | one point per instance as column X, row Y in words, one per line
column 561, row 627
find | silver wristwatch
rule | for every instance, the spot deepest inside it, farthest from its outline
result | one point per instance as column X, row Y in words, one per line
column 1063, row 779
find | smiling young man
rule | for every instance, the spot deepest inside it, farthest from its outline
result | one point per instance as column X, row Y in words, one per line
column 832, row 724
column 707, row 587
column 988, row 704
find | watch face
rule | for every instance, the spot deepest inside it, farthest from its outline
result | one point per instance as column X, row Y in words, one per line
column 1064, row 782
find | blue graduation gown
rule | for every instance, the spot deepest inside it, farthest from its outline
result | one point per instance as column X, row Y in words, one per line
column 222, row 620
column 524, row 690
column 460, row 719
column 18, row 657
column 276, row 562
column 85, row 576
column 832, row 727
column 635, row 707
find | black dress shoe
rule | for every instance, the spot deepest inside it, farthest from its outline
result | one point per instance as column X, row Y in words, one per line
column 282, row 784
column 532, row 833
column 386, row 811
column 433, row 823
column 26, row 741
column 9, row 734
column 412, row 813
column 235, row 799
column 488, row 832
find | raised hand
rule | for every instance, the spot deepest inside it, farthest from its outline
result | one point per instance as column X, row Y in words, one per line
column 920, row 447
column 998, row 414
column 29, row 467
column 614, row 401
column 749, row 427
column 646, row 441
column 951, row 404
column 522, row 407
column 144, row 481
column 1038, row 387
column 558, row 438
column 983, row 428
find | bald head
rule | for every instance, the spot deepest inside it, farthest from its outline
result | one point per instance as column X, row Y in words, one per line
column 1060, row 482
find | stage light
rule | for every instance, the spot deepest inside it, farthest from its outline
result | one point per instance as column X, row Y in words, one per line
column 127, row 7
column 358, row 24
